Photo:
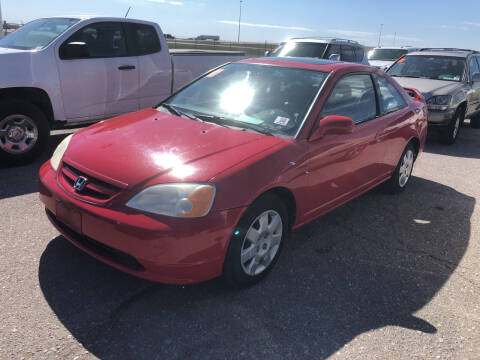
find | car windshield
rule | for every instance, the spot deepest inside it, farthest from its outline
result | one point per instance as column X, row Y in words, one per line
column 251, row 97
column 37, row 34
column 430, row 67
column 386, row 54
column 300, row 49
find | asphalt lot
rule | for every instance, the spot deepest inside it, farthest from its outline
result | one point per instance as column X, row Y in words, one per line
column 383, row 277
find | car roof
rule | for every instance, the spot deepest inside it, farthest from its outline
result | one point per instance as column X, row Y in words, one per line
column 325, row 40
column 439, row 52
column 395, row 47
column 303, row 63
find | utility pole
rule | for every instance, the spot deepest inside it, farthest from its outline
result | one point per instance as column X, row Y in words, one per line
column 239, row 20
column 394, row 38
column 380, row 35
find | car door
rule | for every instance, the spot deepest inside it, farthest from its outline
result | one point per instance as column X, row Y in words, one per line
column 473, row 95
column 106, row 82
column 154, row 63
column 340, row 166
column 394, row 112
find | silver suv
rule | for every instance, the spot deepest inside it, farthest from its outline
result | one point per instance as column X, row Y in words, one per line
column 322, row 48
column 449, row 79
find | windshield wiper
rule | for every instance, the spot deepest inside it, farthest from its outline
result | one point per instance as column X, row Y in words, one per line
column 220, row 120
column 175, row 111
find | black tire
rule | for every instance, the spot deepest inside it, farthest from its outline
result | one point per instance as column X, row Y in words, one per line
column 448, row 135
column 394, row 185
column 475, row 122
column 233, row 270
column 38, row 121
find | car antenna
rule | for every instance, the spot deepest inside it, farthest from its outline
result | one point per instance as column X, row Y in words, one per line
column 126, row 14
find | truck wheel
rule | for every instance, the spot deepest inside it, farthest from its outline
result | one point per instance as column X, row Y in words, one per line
column 24, row 132
column 449, row 134
column 256, row 242
column 475, row 121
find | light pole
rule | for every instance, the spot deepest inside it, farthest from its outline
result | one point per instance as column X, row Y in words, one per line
column 380, row 35
column 1, row 21
column 239, row 20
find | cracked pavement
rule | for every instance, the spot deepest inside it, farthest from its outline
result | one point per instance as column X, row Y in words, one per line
column 384, row 276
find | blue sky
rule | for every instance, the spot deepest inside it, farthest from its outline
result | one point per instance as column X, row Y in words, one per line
column 416, row 23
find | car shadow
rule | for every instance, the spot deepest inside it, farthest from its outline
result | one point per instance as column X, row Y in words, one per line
column 21, row 180
column 467, row 144
column 371, row 263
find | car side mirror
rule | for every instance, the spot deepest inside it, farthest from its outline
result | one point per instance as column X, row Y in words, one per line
column 267, row 53
column 334, row 57
column 476, row 78
column 332, row 124
column 74, row 50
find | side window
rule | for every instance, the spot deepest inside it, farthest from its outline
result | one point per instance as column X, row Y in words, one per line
column 347, row 54
column 332, row 49
column 104, row 40
column 352, row 96
column 359, row 54
column 143, row 39
column 389, row 98
column 473, row 67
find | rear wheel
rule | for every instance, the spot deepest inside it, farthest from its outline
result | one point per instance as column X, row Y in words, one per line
column 256, row 242
column 24, row 131
column 403, row 172
column 450, row 132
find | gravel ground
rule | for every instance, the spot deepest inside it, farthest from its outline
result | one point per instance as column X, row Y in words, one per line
column 383, row 277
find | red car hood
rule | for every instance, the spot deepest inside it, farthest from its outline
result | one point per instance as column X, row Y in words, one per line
column 136, row 147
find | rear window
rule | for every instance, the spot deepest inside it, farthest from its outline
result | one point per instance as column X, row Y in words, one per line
column 143, row 39
column 347, row 54
column 359, row 54
column 300, row 49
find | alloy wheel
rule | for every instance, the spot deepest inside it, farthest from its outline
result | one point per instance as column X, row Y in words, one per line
column 18, row 134
column 406, row 167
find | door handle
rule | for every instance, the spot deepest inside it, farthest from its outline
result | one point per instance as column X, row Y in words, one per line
column 126, row 67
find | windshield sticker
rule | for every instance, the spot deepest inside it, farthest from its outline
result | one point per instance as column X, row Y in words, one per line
column 214, row 73
column 281, row 121
column 401, row 60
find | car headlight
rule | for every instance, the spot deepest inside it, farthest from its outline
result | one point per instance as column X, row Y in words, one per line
column 439, row 102
column 186, row 200
column 59, row 151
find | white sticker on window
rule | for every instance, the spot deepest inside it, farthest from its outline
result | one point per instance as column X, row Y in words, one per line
column 281, row 121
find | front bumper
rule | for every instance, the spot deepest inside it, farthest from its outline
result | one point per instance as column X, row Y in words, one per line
column 440, row 118
column 173, row 251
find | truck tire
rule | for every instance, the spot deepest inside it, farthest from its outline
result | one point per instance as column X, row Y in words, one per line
column 475, row 121
column 449, row 134
column 24, row 132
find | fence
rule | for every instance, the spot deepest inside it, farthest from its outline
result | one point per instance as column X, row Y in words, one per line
column 250, row 48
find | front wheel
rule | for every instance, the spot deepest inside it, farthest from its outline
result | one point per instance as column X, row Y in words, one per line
column 450, row 132
column 256, row 242
column 475, row 122
column 403, row 172
column 24, row 131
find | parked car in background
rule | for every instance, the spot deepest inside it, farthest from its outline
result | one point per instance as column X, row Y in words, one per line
column 383, row 57
column 73, row 70
column 322, row 48
column 210, row 181
column 449, row 80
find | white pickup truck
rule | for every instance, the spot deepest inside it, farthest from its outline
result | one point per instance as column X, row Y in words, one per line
column 72, row 70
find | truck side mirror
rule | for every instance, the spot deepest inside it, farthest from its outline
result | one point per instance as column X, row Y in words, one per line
column 334, row 57
column 267, row 53
column 332, row 124
column 74, row 50
column 476, row 78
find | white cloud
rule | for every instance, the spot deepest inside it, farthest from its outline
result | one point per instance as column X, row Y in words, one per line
column 471, row 23
column 177, row 3
column 351, row 33
column 370, row 37
column 230, row 22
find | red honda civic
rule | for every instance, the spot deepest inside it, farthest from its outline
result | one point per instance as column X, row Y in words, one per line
column 209, row 182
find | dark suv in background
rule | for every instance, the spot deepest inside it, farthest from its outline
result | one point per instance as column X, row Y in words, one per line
column 322, row 48
column 449, row 79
